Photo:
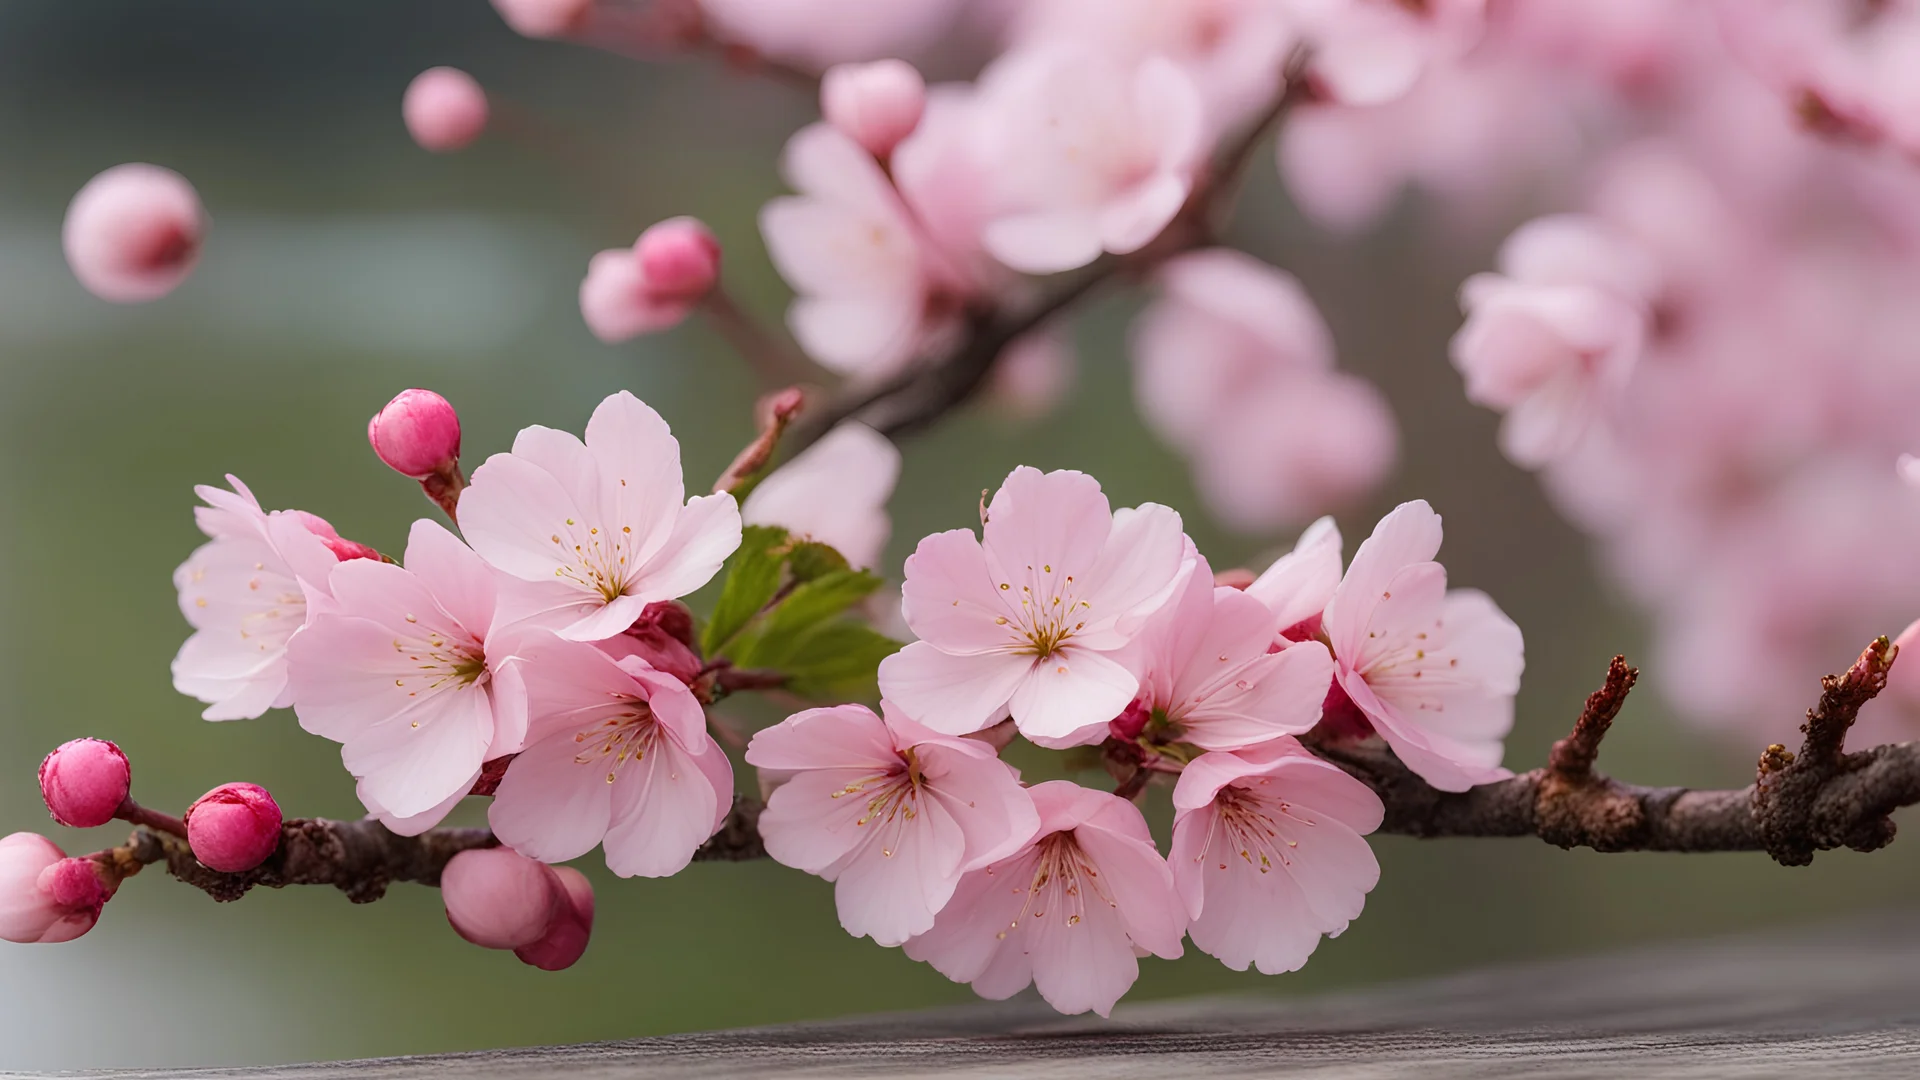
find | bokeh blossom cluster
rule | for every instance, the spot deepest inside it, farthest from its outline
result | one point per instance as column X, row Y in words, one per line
column 1705, row 351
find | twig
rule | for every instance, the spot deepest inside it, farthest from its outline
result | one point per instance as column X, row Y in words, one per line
column 776, row 411
column 360, row 858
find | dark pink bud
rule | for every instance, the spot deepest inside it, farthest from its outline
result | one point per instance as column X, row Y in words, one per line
column 234, row 827
column 876, row 105
column 1340, row 719
column 46, row 897
column 343, row 549
column 498, row 898
column 133, row 233
column 445, row 109
column 84, row 782
column 1128, row 725
column 566, row 941
column 679, row 259
column 417, row 434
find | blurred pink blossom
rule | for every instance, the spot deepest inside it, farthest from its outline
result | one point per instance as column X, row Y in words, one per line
column 42, row 899
column 1070, row 913
column 133, row 233
column 889, row 811
column 654, row 284
column 875, row 104
column 445, row 109
column 617, row 754
column 835, row 492
column 594, row 532
column 406, row 670
column 545, row 18
column 1366, row 52
column 1268, row 853
column 1028, row 618
column 1034, row 372
column 817, row 34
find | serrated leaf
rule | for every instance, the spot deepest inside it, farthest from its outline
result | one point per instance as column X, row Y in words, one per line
column 839, row 661
column 753, row 578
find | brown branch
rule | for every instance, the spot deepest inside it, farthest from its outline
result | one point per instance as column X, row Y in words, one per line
column 360, row 858
column 925, row 392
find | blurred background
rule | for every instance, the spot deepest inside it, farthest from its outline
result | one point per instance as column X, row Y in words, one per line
column 345, row 264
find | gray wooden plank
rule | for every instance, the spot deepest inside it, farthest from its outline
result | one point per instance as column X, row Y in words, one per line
column 1841, row 999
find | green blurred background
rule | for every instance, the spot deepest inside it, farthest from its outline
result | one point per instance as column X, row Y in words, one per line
column 345, row 264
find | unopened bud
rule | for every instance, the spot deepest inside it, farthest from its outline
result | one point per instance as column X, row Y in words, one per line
column 1129, row 724
column 566, row 940
column 234, row 827
column 84, row 782
column 46, row 897
column 498, row 898
column 876, row 105
column 417, row 434
column 679, row 259
column 445, row 109
column 342, row 548
column 133, row 233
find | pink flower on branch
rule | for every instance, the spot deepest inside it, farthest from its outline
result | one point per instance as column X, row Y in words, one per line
column 889, row 811
column 834, row 492
column 816, row 34
column 616, row 753
column 876, row 105
column 234, row 827
column 1206, row 669
column 1433, row 671
column 653, row 285
column 1029, row 618
column 133, row 233
column 245, row 593
column 407, row 671
column 1268, row 853
column 594, row 532
column 1070, row 913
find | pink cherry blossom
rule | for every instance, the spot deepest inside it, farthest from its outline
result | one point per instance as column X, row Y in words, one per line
column 133, row 233
column 1070, row 912
column 1268, row 853
column 84, row 782
column 39, row 901
column 1298, row 584
column 1034, row 373
column 1366, row 52
column 1908, row 467
column 1028, row 618
column 835, row 492
column 890, row 812
column 245, row 593
column 653, row 285
column 1205, row 667
column 405, row 669
column 1433, row 671
column 866, row 277
column 819, row 33
column 1299, row 447
column 445, row 109
column 1095, row 155
column 595, row 531
column 616, row 754
column 1553, row 338
column 875, row 104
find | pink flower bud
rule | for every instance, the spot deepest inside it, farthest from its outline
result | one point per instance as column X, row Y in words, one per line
column 1131, row 722
column 342, row 549
column 679, row 259
column 133, row 233
column 545, row 18
column 84, row 782
column 876, row 105
column 44, row 897
column 234, row 827
column 417, row 434
column 566, row 941
column 498, row 898
column 445, row 109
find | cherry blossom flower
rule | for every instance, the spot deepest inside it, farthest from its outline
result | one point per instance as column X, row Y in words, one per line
column 545, row 18
column 653, row 285
column 1206, row 669
column 616, row 753
column 1294, row 449
column 406, row 670
column 835, row 492
column 444, row 109
column 889, row 811
column 866, row 278
column 1070, row 912
column 1433, row 671
column 1366, row 52
column 876, row 104
column 1268, row 853
column 595, row 531
column 1298, row 584
column 246, row 592
column 1027, row 619
column 133, row 233
column 1554, row 337
column 1095, row 155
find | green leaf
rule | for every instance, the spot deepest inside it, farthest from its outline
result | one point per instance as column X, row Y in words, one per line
column 812, row 559
column 780, row 633
column 839, row 661
column 753, row 579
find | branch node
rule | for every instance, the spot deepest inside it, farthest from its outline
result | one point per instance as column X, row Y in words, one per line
column 1792, row 806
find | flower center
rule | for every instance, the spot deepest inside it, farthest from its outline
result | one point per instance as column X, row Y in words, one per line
column 440, row 661
column 618, row 739
column 1253, row 826
column 597, row 561
column 1049, row 612
column 893, row 801
column 1064, row 883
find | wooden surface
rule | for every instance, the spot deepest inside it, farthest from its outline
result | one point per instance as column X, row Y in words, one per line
column 1837, row 1001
